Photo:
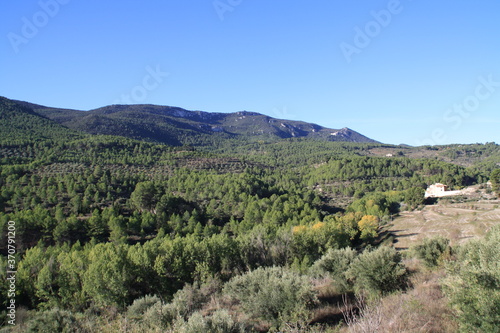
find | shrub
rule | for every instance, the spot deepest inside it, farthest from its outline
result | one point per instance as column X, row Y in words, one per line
column 268, row 293
column 137, row 309
column 431, row 250
column 160, row 315
column 222, row 322
column 473, row 285
column 335, row 263
column 378, row 272
column 54, row 320
column 219, row 322
column 195, row 324
column 191, row 298
column 185, row 302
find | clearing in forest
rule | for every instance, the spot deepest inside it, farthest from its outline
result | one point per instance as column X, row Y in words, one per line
column 458, row 219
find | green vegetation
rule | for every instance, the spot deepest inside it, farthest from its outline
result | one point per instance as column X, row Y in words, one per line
column 21, row 124
column 473, row 284
column 273, row 293
column 432, row 250
column 495, row 181
column 335, row 264
column 232, row 236
column 378, row 272
column 176, row 126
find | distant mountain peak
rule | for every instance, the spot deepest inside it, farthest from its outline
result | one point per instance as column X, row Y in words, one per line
column 342, row 132
column 248, row 113
column 178, row 126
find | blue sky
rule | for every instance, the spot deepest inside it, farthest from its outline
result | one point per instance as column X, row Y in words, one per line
column 414, row 72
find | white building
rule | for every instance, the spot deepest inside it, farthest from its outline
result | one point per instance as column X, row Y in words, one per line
column 439, row 190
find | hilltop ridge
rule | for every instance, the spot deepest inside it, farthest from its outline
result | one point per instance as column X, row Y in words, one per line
column 178, row 126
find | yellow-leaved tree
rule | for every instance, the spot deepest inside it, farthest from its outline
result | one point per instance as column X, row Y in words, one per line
column 368, row 226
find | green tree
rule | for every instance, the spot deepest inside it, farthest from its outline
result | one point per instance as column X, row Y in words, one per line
column 27, row 273
column 144, row 196
column 97, row 226
column 46, row 284
column 495, row 181
column 368, row 226
column 414, row 197
column 69, row 230
column 116, row 225
column 72, row 268
column 107, row 279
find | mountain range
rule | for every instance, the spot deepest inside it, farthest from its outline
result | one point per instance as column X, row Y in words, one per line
column 170, row 125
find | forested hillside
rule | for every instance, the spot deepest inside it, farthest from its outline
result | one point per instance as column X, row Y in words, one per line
column 19, row 123
column 118, row 234
column 177, row 126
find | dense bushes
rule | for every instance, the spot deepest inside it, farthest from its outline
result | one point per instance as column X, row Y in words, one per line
column 373, row 272
column 378, row 272
column 432, row 250
column 473, row 285
column 54, row 320
column 115, row 273
column 218, row 322
column 271, row 293
column 140, row 305
column 335, row 263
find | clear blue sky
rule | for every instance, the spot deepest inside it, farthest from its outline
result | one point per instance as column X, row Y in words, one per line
column 398, row 71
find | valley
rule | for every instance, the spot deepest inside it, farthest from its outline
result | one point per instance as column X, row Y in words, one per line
column 148, row 218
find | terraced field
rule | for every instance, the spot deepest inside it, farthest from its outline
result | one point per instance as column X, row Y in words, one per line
column 458, row 219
